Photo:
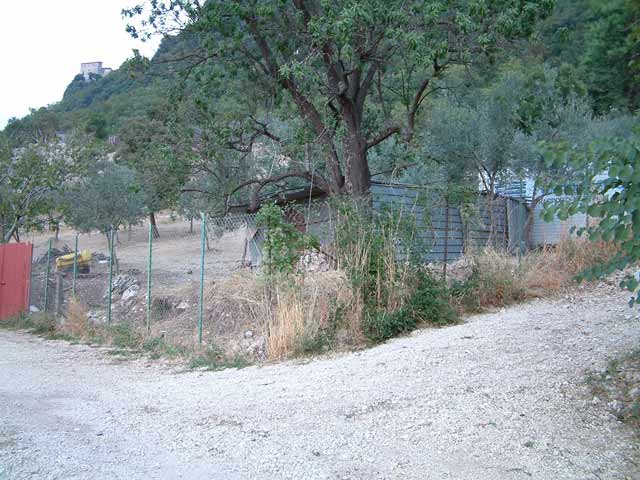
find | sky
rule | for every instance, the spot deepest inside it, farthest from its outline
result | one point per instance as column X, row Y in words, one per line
column 43, row 43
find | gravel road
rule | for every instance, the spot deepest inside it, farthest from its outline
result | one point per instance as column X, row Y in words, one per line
column 502, row 396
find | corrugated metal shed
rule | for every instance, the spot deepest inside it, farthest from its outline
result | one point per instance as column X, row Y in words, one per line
column 551, row 233
column 440, row 232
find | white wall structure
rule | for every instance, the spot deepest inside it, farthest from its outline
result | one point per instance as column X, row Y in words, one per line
column 95, row 68
column 551, row 233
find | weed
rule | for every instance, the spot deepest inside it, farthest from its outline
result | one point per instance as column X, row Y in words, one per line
column 619, row 386
column 212, row 358
column 77, row 321
column 124, row 336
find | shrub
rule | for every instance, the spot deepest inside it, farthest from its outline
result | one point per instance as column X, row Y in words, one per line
column 427, row 303
column 430, row 301
column 284, row 243
column 77, row 322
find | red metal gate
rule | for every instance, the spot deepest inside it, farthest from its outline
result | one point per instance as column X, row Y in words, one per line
column 15, row 278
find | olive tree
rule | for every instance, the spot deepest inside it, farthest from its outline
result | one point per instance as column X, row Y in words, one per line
column 106, row 199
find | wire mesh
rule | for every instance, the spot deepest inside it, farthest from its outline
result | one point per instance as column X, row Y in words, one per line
column 167, row 283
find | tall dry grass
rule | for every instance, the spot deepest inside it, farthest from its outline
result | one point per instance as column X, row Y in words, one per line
column 304, row 317
column 497, row 279
column 77, row 319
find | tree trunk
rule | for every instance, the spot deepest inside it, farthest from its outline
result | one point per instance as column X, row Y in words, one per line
column 154, row 227
column 357, row 174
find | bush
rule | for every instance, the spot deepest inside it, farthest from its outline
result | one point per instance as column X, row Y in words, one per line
column 487, row 288
column 379, row 326
column 428, row 303
column 283, row 244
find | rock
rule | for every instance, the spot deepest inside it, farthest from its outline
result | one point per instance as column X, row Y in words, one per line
column 182, row 306
column 33, row 309
column 122, row 283
column 130, row 293
column 248, row 334
column 313, row 261
column 258, row 348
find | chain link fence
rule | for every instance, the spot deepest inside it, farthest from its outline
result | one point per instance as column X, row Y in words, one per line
column 158, row 283
column 165, row 281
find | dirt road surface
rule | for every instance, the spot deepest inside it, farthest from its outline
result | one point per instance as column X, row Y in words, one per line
column 502, row 396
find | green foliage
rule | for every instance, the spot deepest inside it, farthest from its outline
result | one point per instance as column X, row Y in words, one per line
column 159, row 158
column 283, row 244
column 314, row 65
column 611, row 55
column 609, row 191
column 212, row 358
column 601, row 38
column 428, row 303
column 30, row 180
column 429, row 300
column 107, row 198
column 380, row 254
column 380, row 325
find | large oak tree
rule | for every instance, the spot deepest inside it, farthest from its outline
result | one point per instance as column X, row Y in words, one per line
column 355, row 73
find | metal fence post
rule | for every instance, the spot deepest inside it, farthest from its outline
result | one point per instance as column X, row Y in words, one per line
column 203, row 235
column 446, row 238
column 46, row 277
column 149, row 277
column 75, row 267
column 110, row 276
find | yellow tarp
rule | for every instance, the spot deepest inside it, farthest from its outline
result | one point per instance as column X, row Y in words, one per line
column 66, row 261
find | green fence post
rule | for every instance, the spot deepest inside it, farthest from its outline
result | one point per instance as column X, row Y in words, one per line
column 149, row 278
column 75, row 267
column 203, row 236
column 46, row 277
column 110, row 276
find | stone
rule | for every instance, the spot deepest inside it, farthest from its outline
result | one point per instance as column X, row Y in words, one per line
column 130, row 293
column 122, row 283
column 33, row 309
column 182, row 306
column 248, row 334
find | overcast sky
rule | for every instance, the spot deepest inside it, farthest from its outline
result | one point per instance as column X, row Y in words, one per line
column 43, row 43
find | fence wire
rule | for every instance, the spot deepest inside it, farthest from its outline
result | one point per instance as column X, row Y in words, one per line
column 160, row 283
column 164, row 281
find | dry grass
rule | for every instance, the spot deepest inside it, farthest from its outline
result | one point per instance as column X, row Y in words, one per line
column 553, row 269
column 288, row 323
column 77, row 321
column 326, row 310
column 495, row 279
column 304, row 316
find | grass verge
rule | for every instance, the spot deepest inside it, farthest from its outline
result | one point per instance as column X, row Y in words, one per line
column 619, row 387
column 124, row 340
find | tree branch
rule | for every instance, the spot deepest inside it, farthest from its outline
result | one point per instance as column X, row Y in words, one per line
column 311, row 177
column 382, row 136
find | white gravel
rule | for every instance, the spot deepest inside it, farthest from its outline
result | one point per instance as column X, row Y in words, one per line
column 502, row 396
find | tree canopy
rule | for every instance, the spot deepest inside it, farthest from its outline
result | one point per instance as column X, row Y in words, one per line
column 353, row 73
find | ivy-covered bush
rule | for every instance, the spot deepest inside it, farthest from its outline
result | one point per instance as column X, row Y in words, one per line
column 283, row 244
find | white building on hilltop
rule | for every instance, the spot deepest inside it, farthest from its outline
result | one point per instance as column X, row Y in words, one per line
column 96, row 68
